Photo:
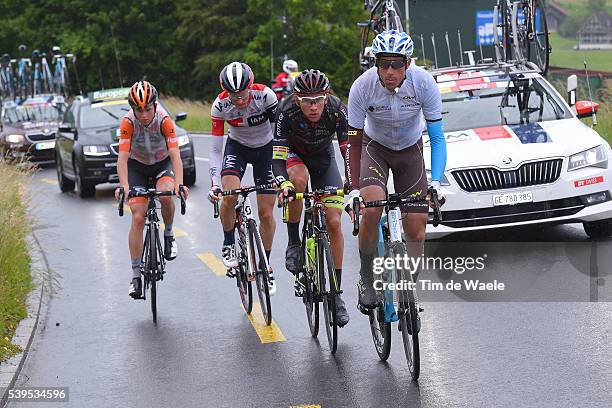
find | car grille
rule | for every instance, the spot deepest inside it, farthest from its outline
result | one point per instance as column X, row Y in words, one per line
column 489, row 178
column 39, row 137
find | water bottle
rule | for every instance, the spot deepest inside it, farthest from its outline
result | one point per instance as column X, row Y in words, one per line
column 310, row 250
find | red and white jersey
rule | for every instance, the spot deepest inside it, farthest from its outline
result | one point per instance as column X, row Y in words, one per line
column 251, row 126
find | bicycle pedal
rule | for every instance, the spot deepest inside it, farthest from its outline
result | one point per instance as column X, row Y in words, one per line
column 298, row 293
column 230, row 273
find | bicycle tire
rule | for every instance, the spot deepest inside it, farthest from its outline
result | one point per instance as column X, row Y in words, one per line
column 309, row 297
column 326, row 261
column 381, row 332
column 153, row 270
column 408, row 319
column 540, row 45
column 245, row 288
column 505, row 19
column 261, row 273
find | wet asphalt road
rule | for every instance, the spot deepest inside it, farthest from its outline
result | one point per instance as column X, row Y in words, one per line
column 205, row 352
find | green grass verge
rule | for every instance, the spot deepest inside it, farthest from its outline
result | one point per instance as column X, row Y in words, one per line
column 198, row 113
column 563, row 55
column 15, row 278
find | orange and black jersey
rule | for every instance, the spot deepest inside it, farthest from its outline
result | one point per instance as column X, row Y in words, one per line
column 312, row 142
column 148, row 144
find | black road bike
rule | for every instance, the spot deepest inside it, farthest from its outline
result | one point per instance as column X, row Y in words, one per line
column 153, row 261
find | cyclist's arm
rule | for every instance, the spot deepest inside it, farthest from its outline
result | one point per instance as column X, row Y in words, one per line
column 342, row 130
column 431, row 102
column 356, row 123
column 167, row 129
column 216, row 152
column 271, row 103
column 280, row 149
column 126, row 129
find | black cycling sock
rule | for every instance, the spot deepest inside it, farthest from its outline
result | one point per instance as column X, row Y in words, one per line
column 293, row 230
column 228, row 237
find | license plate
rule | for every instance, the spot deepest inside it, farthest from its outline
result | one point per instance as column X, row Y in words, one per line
column 513, row 198
column 113, row 164
column 45, row 145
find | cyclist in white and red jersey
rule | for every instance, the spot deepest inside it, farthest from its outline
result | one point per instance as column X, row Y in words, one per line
column 148, row 152
column 249, row 110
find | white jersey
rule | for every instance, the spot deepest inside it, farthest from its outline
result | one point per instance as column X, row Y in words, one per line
column 394, row 119
column 250, row 126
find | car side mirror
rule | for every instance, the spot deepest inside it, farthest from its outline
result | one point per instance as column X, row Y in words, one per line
column 585, row 109
column 180, row 116
column 572, row 85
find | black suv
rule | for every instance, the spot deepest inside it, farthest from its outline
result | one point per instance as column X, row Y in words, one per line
column 27, row 129
column 87, row 143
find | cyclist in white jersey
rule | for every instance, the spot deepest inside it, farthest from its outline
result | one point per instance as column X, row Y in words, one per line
column 389, row 107
column 250, row 111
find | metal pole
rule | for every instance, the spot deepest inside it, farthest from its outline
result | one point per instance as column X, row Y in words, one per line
column 460, row 47
column 423, row 49
column 450, row 59
column 407, row 8
column 433, row 42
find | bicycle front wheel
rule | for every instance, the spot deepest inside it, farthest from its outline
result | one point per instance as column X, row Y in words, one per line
column 328, row 291
column 309, row 296
column 244, row 285
column 259, row 263
column 381, row 332
column 152, row 270
column 538, row 50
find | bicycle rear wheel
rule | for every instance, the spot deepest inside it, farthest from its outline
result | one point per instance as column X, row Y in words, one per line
column 538, row 50
column 381, row 332
column 259, row 263
column 328, row 291
column 152, row 270
column 245, row 288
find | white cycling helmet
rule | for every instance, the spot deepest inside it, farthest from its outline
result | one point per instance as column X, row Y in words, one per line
column 290, row 66
column 393, row 42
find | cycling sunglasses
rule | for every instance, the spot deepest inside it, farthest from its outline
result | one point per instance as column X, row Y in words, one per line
column 311, row 100
column 395, row 64
column 239, row 96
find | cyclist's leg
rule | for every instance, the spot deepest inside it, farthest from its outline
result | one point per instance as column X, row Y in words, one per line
column 373, row 186
column 261, row 159
column 138, row 207
column 298, row 174
column 164, row 181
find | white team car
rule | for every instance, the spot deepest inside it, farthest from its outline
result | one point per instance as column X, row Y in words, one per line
column 517, row 154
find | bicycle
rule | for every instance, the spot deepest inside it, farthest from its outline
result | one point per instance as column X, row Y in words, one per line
column 24, row 66
column 61, row 79
column 396, row 305
column 153, row 261
column 315, row 258
column 524, row 32
column 7, row 78
column 41, row 76
column 384, row 16
column 252, row 261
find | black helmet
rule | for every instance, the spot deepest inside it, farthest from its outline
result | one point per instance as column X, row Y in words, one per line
column 236, row 77
column 311, row 81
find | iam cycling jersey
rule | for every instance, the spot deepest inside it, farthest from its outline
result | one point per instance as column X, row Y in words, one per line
column 251, row 126
column 148, row 144
column 296, row 138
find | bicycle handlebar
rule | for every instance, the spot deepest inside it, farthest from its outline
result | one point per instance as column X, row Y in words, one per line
column 315, row 195
column 240, row 191
column 151, row 193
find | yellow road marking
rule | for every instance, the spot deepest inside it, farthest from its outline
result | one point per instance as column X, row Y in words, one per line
column 49, row 181
column 177, row 231
column 267, row 334
column 305, row 406
column 126, row 207
column 213, row 263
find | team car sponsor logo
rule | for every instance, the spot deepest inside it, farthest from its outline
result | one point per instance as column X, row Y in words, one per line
column 589, row 181
column 111, row 94
column 525, row 134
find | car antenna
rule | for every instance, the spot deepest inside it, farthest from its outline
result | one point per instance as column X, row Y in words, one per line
column 460, row 47
column 586, row 72
column 423, row 49
column 433, row 41
column 450, row 59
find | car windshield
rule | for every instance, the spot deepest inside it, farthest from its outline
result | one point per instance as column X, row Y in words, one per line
column 33, row 113
column 505, row 102
column 103, row 114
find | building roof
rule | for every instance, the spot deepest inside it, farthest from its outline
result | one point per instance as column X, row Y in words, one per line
column 554, row 7
column 604, row 19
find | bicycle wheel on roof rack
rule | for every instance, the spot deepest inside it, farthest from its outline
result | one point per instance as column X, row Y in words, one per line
column 538, row 49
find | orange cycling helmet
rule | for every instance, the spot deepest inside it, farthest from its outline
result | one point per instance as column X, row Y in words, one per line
column 142, row 94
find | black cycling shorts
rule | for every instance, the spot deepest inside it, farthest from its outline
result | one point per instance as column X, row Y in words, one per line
column 237, row 156
column 141, row 176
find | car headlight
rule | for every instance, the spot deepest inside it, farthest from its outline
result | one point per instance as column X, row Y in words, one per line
column 99, row 150
column 443, row 182
column 183, row 140
column 15, row 138
column 595, row 157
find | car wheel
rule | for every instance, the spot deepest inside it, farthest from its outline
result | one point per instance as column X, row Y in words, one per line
column 85, row 189
column 65, row 184
column 189, row 178
column 598, row 229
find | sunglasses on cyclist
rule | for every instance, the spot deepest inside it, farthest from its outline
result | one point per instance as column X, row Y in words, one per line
column 239, row 96
column 311, row 100
column 395, row 64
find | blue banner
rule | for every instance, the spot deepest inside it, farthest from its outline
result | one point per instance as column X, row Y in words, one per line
column 484, row 25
